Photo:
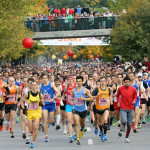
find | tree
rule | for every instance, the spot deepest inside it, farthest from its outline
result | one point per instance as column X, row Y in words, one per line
column 118, row 5
column 129, row 37
column 12, row 29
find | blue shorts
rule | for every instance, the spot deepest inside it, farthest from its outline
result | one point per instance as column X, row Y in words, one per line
column 68, row 108
column 137, row 104
column 49, row 107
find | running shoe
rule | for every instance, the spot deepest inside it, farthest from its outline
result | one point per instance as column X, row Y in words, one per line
column 1, row 128
column 120, row 133
column 46, row 138
column 148, row 119
column 105, row 137
column 7, row 127
column 78, row 141
column 40, row 127
column 64, row 131
column 139, row 126
column 85, row 129
column 57, row 127
column 31, row 133
column 96, row 131
column 27, row 141
column 24, row 136
column 12, row 135
column 70, row 140
column 102, row 137
column 32, row 145
column 127, row 140
column 133, row 125
column 113, row 123
column 100, row 133
column 81, row 134
column 143, row 122
column 135, row 130
column 74, row 137
column 53, row 124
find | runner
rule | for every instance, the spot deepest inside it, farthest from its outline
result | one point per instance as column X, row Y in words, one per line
column 103, row 99
column 50, row 93
column 79, row 98
column 126, row 103
column 71, row 85
column 11, row 105
column 2, row 101
column 57, row 111
column 34, row 112
column 63, row 105
column 115, row 104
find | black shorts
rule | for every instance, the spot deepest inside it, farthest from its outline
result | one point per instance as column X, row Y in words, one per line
column 101, row 112
column 143, row 101
column 2, row 106
column 112, row 108
column 82, row 114
column 63, row 107
column 88, row 103
column 10, row 107
column 94, row 109
column 148, row 103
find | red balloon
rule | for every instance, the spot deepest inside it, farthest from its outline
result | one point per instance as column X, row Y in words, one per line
column 70, row 53
column 95, row 59
column 97, row 56
column 27, row 43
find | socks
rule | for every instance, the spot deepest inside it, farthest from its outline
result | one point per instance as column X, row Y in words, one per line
column 57, row 119
column 105, row 128
column 128, row 131
column 101, row 128
column 1, row 122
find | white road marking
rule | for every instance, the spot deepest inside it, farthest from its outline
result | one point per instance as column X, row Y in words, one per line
column 88, row 129
column 90, row 142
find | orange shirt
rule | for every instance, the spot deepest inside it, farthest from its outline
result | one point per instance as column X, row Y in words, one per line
column 102, row 101
column 11, row 96
column 2, row 91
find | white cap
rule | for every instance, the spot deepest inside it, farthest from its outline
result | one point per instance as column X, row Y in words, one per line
column 139, row 74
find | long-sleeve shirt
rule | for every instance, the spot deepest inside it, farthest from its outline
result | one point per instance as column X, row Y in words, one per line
column 128, row 95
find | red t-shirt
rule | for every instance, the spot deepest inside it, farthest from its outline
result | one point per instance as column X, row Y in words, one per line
column 63, row 11
column 55, row 11
column 128, row 95
column 71, row 11
column 69, row 93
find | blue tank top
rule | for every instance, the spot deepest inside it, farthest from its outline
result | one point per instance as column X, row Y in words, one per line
column 18, row 83
column 136, row 87
column 79, row 105
column 48, row 93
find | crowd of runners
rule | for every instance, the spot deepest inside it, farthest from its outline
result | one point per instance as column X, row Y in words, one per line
column 108, row 93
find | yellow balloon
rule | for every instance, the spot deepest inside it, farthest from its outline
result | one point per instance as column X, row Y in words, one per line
column 53, row 57
column 59, row 62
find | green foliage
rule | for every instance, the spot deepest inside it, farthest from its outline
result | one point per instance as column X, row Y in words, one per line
column 130, row 36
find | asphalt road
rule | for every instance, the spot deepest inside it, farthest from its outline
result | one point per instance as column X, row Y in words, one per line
column 89, row 141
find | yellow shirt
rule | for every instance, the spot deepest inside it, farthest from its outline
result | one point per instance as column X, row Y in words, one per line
column 102, row 101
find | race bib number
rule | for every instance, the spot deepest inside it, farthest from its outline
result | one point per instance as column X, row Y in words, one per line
column 103, row 101
column 47, row 97
column 11, row 98
column 69, row 98
column 78, row 102
column 33, row 106
column 1, row 96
